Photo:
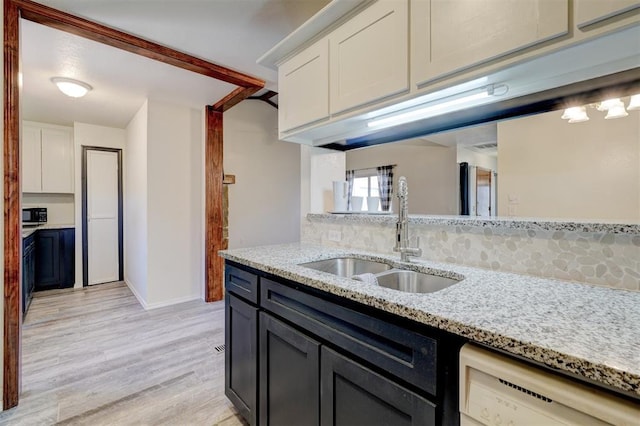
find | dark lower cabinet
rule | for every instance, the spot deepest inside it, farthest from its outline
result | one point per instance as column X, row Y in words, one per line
column 55, row 254
column 296, row 356
column 355, row 395
column 289, row 375
column 241, row 356
column 28, row 272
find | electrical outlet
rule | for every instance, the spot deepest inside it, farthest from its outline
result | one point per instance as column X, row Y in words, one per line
column 335, row 236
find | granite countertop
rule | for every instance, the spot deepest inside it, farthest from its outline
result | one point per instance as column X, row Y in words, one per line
column 484, row 222
column 593, row 332
column 28, row 230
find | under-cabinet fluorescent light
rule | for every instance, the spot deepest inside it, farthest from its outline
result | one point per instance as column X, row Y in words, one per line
column 435, row 108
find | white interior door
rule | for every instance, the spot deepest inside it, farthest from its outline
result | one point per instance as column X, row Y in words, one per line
column 102, row 216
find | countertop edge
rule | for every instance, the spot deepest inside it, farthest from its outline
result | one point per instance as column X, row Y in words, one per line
column 532, row 224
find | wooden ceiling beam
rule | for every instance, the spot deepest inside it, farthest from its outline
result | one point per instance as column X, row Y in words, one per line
column 63, row 21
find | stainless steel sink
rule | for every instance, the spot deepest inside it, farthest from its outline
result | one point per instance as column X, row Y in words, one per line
column 347, row 266
column 413, row 282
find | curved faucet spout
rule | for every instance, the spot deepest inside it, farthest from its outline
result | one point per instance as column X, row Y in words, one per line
column 402, row 226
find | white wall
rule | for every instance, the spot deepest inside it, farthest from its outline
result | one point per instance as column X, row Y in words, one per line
column 264, row 203
column 174, row 201
column 489, row 162
column 89, row 135
column 135, row 207
column 555, row 169
column 319, row 168
column 60, row 207
column 431, row 173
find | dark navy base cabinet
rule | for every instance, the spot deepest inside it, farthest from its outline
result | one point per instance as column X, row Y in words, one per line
column 28, row 272
column 289, row 375
column 241, row 356
column 355, row 395
column 55, row 258
column 326, row 360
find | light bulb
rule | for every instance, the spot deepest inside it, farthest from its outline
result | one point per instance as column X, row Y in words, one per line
column 609, row 103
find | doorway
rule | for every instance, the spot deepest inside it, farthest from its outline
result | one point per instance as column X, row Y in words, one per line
column 483, row 192
column 102, row 216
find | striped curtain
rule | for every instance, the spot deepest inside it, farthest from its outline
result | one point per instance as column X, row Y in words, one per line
column 385, row 185
column 350, row 175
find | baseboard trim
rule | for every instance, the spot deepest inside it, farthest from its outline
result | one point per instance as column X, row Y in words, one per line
column 151, row 306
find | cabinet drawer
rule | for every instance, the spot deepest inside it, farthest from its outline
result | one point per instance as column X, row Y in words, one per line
column 405, row 354
column 241, row 283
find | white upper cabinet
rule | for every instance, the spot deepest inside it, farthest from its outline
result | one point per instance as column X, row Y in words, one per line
column 57, row 161
column 369, row 56
column 451, row 35
column 590, row 12
column 47, row 159
column 31, row 160
column 304, row 87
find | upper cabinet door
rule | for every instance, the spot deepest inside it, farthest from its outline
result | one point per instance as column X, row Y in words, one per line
column 451, row 35
column 593, row 11
column 304, row 87
column 370, row 56
column 57, row 161
column 31, row 160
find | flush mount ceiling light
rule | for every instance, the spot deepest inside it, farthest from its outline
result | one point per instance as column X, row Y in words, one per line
column 439, row 106
column 70, row 87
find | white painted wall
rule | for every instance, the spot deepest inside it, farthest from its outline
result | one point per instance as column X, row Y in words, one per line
column 264, row 203
column 164, row 211
column 135, row 207
column 464, row 155
column 89, row 135
column 322, row 167
column 174, row 201
column 60, row 207
column 555, row 169
column 431, row 173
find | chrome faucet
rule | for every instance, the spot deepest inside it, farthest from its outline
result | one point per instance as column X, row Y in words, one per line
column 402, row 226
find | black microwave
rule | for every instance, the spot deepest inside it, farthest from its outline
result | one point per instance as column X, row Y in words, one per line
column 34, row 216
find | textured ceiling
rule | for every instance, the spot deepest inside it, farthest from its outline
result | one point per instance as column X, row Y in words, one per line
column 232, row 33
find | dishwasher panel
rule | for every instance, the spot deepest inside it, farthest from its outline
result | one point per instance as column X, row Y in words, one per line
column 497, row 390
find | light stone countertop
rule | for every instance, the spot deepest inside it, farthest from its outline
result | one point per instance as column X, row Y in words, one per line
column 483, row 222
column 593, row 332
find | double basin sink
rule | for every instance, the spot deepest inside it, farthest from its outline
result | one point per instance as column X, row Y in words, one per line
column 385, row 276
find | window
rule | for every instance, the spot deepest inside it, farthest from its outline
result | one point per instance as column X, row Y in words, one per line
column 365, row 184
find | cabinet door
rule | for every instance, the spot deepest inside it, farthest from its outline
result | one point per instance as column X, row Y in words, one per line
column 304, row 87
column 354, row 395
column 241, row 356
column 369, row 56
column 67, row 257
column 57, row 161
column 289, row 375
column 451, row 35
column 47, row 259
column 589, row 12
column 31, row 160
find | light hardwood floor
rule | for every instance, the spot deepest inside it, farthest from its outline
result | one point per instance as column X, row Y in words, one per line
column 95, row 357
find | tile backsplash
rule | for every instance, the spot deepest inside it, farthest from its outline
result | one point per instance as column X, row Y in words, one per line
column 599, row 254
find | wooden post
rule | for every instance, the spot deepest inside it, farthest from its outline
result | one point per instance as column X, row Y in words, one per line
column 214, row 175
column 12, row 212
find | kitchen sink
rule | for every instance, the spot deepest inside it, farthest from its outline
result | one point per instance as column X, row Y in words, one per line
column 413, row 282
column 348, row 266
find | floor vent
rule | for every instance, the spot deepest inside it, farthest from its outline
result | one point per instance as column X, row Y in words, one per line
column 219, row 348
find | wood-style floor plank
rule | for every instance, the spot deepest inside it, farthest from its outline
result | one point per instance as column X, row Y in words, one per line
column 95, row 357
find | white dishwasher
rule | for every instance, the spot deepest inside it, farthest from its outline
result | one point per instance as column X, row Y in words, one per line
column 497, row 390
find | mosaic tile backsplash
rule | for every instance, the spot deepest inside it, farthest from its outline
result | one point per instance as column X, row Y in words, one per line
column 603, row 255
